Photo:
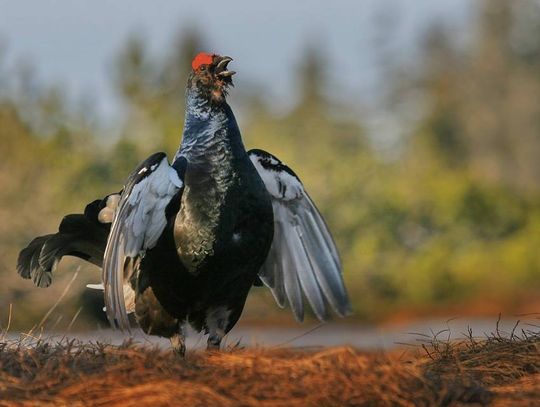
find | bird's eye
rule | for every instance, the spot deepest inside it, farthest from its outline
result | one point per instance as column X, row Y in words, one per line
column 202, row 68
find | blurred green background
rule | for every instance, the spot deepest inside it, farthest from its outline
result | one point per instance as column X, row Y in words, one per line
column 444, row 218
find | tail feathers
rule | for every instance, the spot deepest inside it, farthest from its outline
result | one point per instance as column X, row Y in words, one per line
column 77, row 236
column 28, row 263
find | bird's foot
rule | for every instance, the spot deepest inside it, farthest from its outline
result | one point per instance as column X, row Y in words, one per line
column 178, row 345
column 213, row 343
column 216, row 320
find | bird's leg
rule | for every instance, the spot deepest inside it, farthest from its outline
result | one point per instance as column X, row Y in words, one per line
column 216, row 321
column 214, row 340
column 178, row 342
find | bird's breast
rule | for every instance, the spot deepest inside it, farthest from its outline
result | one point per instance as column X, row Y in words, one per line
column 200, row 212
column 222, row 211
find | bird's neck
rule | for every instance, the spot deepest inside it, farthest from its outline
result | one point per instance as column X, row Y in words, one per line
column 208, row 128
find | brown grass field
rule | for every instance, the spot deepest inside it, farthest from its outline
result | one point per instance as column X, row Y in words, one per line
column 498, row 370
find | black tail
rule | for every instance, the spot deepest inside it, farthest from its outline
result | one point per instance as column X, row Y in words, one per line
column 80, row 235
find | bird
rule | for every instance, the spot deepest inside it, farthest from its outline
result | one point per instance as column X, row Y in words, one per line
column 183, row 242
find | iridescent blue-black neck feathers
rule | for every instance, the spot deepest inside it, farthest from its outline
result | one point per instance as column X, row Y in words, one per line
column 208, row 123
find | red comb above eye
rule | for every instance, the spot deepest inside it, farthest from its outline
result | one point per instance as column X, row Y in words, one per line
column 202, row 59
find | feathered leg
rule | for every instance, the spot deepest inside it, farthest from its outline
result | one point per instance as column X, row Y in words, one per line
column 217, row 320
column 178, row 342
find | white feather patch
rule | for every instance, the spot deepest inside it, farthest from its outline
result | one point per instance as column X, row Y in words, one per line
column 138, row 223
column 280, row 184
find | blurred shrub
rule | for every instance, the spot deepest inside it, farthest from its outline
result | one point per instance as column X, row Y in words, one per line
column 453, row 217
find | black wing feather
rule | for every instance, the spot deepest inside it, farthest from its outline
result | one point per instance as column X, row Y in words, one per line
column 79, row 235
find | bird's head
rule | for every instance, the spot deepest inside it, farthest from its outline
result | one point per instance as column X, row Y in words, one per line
column 210, row 77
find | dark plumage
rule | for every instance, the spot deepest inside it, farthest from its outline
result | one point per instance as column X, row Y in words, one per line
column 80, row 235
column 188, row 240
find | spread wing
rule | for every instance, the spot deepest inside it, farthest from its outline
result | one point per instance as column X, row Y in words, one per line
column 139, row 220
column 303, row 258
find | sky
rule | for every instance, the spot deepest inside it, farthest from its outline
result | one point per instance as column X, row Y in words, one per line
column 73, row 42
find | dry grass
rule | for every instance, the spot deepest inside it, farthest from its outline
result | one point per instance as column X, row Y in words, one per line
column 499, row 370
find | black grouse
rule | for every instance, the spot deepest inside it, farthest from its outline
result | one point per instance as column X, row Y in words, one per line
column 184, row 243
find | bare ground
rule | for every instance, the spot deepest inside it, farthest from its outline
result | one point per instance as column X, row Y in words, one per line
column 498, row 370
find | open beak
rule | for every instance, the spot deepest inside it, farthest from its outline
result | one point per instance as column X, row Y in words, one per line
column 221, row 68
